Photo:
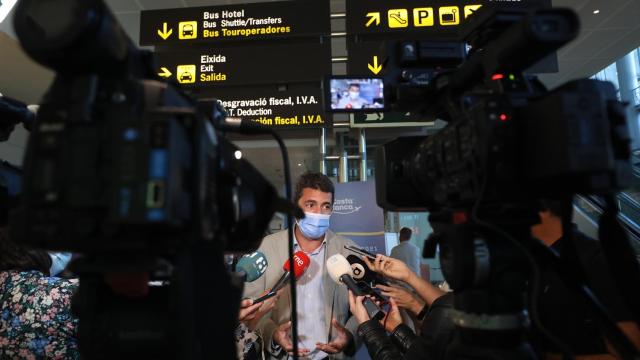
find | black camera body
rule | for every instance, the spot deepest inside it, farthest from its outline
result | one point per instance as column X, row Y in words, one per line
column 511, row 149
column 122, row 175
column 507, row 138
column 120, row 161
column 132, row 174
column 508, row 144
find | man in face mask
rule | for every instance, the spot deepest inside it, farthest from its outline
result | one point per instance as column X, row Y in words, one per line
column 353, row 100
column 325, row 326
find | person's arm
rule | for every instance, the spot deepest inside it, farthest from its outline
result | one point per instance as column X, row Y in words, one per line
column 379, row 345
column 600, row 280
column 265, row 326
column 398, row 270
column 632, row 330
column 425, row 289
column 403, row 297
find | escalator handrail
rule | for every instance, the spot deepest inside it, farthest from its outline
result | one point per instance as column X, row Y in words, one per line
column 632, row 228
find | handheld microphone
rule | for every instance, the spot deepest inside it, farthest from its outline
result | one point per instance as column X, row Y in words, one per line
column 300, row 264
column 340, row 271
column 362, row 272
column 253, row 265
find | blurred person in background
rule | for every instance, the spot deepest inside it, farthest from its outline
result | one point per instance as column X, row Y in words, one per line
column 407, row 252
column 35, row 309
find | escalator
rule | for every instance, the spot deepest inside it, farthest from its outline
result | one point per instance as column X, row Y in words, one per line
column 587, row 211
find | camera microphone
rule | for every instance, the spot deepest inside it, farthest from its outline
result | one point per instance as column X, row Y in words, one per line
column 340, row 271
column 252, row 265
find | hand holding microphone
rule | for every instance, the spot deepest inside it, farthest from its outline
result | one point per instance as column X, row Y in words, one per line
column 340, row 271
column 252, row 265
column 300, row 264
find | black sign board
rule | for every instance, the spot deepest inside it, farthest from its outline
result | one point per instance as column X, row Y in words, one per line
column 270, row 20
column 439, row 19
column 269, row 64
column 370, row 50
column 367, row 58
column 296, row 107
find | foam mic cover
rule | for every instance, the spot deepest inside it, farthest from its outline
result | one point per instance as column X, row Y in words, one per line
column 300, row 264
column 253, row 265
column 337, row 265
column 340, row 271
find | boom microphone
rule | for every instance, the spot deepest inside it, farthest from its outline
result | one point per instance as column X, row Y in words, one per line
column 340, row 271
column 252, row 265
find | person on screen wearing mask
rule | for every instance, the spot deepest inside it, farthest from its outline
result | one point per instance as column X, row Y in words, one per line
column 353, row 100
column 325, row 327
column 36, row 321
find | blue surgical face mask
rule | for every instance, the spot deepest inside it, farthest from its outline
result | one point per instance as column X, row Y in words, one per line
column 59, row 261
column 313, row 225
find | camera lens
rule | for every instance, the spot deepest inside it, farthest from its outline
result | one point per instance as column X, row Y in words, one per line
column 39, row 17
column 71, row 36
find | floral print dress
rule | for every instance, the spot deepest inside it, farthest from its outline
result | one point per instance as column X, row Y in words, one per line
column 35, row 317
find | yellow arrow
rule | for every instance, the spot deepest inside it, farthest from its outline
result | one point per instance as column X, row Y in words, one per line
column 165, row 73
column 164, row 34
column 373, row 16
column 375, row 68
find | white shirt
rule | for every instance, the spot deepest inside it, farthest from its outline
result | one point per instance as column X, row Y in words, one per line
column 310, row 301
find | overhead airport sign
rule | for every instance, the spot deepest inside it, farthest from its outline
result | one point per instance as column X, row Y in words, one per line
column 267, row 20
column 437, row 17
column 367, row 58
column 403, row 16
column 270, row 64
column 294, row 108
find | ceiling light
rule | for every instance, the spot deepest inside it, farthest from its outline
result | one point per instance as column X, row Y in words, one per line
column 238, row 154
column 596, row 11
column 299, row 164
column 5, row 8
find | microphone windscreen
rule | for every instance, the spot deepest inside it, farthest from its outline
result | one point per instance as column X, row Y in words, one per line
column 300, row 264
column 254, row 265
column 337, row 265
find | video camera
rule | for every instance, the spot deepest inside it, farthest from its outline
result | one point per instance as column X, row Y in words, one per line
column 508, row 139
column 128, row 171
column 507, row 144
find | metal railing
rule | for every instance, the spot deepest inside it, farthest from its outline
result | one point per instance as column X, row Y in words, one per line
column 592, row 207
column 636, row 96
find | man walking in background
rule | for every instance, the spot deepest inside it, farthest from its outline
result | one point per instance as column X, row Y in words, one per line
column 406, row 251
